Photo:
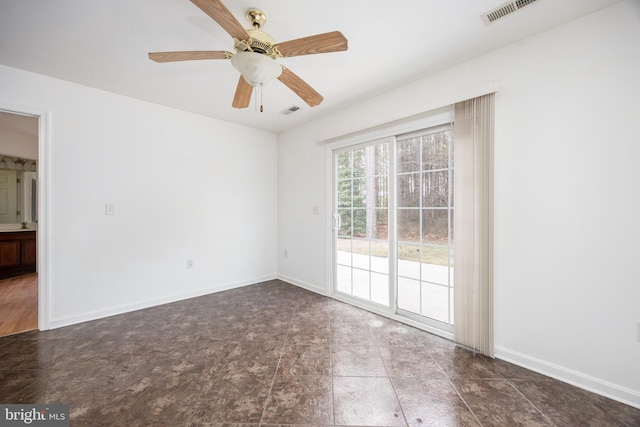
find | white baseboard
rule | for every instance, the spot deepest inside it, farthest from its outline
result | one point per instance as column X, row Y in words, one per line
column 304, row 285
column 578, row 379
column 113, row 311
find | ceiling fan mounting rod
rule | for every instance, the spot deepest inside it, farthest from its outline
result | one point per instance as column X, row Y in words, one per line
column 256, row 17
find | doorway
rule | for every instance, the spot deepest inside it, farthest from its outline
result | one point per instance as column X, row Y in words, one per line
column 19, row 304
column 392, row 225
column 19, row 234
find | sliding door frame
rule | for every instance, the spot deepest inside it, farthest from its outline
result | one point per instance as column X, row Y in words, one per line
column 434, row 118
column 335, row 225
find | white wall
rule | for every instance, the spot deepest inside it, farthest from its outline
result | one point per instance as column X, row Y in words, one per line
column 18, row 145
column 567, row 284
column 183, row 185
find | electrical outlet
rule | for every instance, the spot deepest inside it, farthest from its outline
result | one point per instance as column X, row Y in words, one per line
column 189, row 263
column 314, row 210
column 109, row 209
column 285, row 253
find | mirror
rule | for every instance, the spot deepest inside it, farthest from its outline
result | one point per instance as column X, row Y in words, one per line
column 18, row 190
column 18, row 170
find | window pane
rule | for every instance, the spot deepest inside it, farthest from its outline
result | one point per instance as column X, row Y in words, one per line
column 344, row 194
column 376, row 160
column 435, row 226
column 380, row 256
column 435, row 302
column 409, row 225
column 359, row 223
column 434, row 265
column 343, row 255
column 381, row 159
column 361, row 283
column 409, row 155
column 409, row 261
column 435, row 151
column 381, row 229
column 359, row 198
column 343, row 282
column 435, row 255
column 344, row 165
column 381, row 191
column 361, row 251
column 345, row 223
column 435, row 189
column 409, row 295
column 409, row 190
column 380, row 288
column 358, row 168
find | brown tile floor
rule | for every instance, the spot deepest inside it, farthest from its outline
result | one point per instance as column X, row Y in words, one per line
column 275, row 354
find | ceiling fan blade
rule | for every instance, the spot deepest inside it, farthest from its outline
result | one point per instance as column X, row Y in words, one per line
column 219, row 13
column 320, row 43
column 300, row 87
column 243, row 94
column 191, row 55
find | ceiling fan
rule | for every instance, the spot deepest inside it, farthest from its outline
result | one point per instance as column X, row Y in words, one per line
column 256, row 53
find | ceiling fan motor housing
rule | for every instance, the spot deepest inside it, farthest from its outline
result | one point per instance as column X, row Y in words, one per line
column 259, row 42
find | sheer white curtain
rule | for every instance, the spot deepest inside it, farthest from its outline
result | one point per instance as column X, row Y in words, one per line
column 473, row 223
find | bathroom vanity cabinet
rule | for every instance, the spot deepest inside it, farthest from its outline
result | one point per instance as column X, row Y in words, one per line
column 17, row 253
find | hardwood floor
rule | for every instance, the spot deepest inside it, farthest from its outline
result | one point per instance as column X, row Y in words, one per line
column 18, row 304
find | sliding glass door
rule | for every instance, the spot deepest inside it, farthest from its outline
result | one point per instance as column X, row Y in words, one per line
column 425, row 217
column 393, row 215
column 361, row 219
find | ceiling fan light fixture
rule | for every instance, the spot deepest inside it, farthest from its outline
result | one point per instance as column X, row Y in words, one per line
column 257, row 52
column 256, row 68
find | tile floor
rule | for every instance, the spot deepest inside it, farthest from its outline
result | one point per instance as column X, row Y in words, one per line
column 275, row 354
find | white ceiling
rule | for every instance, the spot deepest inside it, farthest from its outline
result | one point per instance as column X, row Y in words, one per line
column 104, row 44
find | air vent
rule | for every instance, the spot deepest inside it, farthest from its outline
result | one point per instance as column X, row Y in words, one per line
column 290, row 110
column 505, row 9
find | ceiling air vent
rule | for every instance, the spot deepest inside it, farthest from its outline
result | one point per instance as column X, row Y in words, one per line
column 290, row 110
column 505, row 9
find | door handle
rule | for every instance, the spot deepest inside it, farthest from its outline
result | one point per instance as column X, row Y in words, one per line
column 336, row 221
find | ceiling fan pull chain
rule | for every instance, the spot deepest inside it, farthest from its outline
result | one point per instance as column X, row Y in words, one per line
column 261, row 109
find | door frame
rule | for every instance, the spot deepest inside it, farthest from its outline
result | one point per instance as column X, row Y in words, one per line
column 44, row 207
column 425, row 120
